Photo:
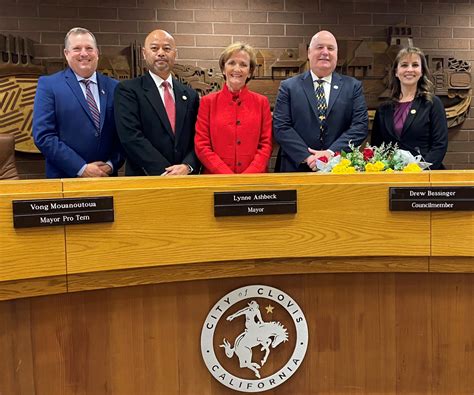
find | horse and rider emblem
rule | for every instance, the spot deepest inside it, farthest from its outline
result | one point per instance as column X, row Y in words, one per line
column 256, row 333
column 254, row 338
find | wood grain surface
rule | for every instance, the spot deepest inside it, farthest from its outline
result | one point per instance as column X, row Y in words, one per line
column 33, row 287
column 245, row 268
column 162, row 222
column 453, row 233
column 164, row 225
column 369, row 333
column 28, row 253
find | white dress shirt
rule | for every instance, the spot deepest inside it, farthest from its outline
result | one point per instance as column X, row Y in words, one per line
column 158, row 81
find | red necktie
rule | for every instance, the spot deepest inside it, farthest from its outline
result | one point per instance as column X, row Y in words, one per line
column 169, row 104
column 92, row 104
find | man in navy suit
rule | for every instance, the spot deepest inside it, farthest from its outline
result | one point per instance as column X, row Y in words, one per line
column 306, row 132
column 73, row 118
column 156, row 114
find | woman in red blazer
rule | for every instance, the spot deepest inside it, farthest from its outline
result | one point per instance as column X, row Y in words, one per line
column 234, row 125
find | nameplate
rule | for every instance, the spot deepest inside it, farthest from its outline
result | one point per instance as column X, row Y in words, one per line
column 254, row 203
column 447, row 198
column 67, row 211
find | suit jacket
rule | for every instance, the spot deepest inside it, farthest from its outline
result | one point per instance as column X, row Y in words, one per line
column 145, row 131
column 63, row 127
column 425, row 130
column 234, row 136
column 296, row 123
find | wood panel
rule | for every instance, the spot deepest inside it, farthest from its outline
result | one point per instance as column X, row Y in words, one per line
column 453, row 352
column 389, row 333
column 163, row 222
column 413, row 334
column 29, row 253
column 164, row 226
column 245, row 268
column 452, row 232
column 452, row 264
column 32, row 287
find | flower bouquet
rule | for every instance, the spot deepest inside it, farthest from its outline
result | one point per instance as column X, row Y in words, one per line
column 385, row 158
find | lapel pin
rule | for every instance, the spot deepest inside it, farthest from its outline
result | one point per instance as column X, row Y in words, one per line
column 336, row 87
column 102, row 91
column 184, row 97
column 413, row 111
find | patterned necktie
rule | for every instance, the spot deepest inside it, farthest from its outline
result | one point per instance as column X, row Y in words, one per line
column 92, row 104
column 322, row 107
column 169, row 104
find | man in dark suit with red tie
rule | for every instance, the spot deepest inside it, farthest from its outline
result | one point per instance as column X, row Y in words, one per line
column 73, row 118
column 155, row 115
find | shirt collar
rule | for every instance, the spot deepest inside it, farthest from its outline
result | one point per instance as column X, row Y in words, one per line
column 327, row 79
column 92, row 78
column 158, row 80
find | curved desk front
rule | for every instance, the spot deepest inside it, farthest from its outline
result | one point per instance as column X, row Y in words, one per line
column 388, row 296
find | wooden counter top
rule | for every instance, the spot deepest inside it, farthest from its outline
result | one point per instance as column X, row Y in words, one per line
column 165, row 230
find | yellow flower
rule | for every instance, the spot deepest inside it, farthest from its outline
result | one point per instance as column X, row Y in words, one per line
column 344, row 162
column 412, row 168
column 374, row 167
column 350, row 169
column 340, row 168
column 389, row 170
column 379, row 165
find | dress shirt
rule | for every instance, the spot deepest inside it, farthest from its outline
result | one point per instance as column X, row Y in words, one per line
column 158, row 81
column 93, row 87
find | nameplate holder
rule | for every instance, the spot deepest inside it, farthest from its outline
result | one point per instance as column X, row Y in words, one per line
column 66, row 211
column 251, row 203
column 442, row 198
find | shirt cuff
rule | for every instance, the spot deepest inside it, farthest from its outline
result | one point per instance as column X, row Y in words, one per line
column 81, row 170
column 190, row 168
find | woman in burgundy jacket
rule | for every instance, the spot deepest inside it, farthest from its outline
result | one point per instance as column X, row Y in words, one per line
column 234, row 125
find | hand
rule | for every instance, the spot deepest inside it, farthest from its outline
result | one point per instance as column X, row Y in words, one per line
column 311, row 160
column 177, row 170
column 106, row 168
column 95, row 169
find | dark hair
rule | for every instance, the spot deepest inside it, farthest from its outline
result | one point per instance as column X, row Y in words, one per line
column 237, row 47
column 76, row 31
column 425, row 86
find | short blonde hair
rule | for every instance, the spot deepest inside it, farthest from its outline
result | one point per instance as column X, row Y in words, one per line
column 237, row 47
column 75, row 31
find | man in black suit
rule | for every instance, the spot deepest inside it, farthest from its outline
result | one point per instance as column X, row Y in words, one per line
column 155, row 115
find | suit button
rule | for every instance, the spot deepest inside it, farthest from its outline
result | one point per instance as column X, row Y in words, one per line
column 238, row 142
column 238, row 122
column 96, row 134
column 239, row 164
